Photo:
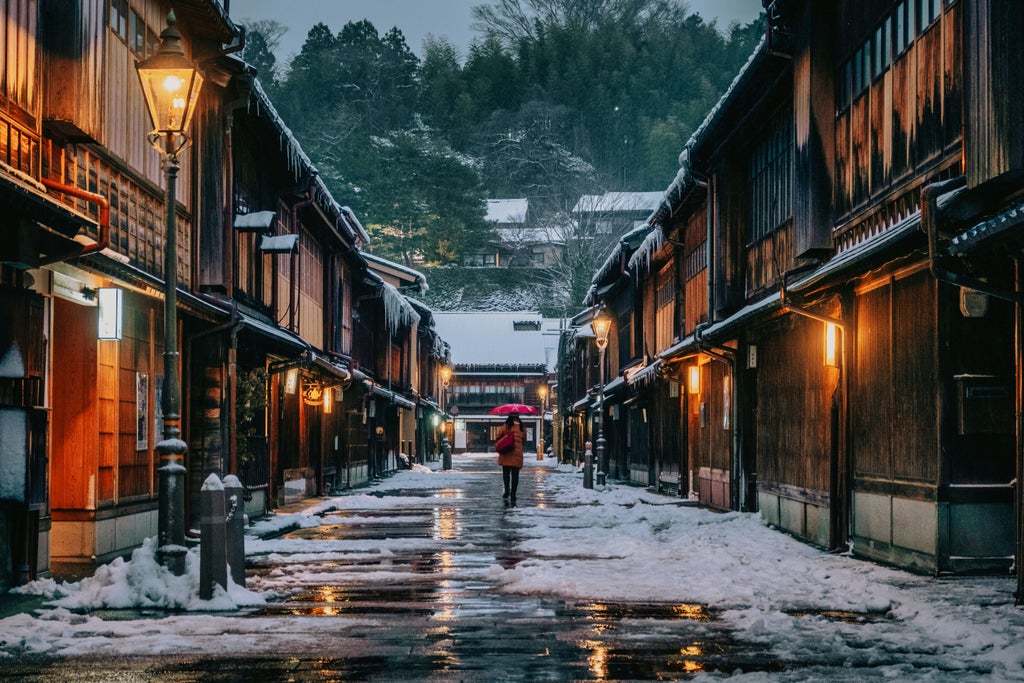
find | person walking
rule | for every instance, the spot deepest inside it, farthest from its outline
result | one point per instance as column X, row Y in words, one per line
column 511, row 461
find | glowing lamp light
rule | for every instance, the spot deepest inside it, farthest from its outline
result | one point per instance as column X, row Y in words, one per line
column 328, row 400
column 110, row 301
column 171, row 84
column 446, row 375
column 291, row 381
column 693, row 379
column 831, row 345
column 602, row 324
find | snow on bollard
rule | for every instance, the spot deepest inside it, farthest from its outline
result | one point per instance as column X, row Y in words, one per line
column 588, row 467
column 234, row 497
column 213, row 567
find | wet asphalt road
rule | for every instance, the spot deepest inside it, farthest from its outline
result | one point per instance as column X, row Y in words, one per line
column 441, row 619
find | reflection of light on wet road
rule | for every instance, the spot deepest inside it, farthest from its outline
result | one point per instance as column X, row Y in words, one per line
column 597, row 660
column 689, row 665
column 448, row 518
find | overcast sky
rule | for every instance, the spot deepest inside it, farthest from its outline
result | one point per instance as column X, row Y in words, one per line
column 418, row 18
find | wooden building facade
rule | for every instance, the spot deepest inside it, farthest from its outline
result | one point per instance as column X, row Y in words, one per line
column 841, row 250
column 277, row 380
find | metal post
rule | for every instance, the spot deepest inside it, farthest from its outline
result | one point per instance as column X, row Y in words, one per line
column 213, row 565
column 234, row 495
column 171, row 515
column 602, row 453
column 588, row 467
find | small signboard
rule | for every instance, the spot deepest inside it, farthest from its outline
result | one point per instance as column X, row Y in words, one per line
column 454, row 410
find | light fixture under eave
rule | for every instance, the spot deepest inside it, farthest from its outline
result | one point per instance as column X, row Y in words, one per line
column 693, row 379
column 110, row 302
column 831, row 345
column 291, row 381
column 328, row 400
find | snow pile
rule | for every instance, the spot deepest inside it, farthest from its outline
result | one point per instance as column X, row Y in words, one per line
column 142, row 583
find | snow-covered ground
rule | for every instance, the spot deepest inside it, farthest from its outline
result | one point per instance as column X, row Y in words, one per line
column 618, row 545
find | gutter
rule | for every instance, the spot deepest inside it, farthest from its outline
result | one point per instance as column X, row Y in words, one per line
column 929, row 223
column 104, row 204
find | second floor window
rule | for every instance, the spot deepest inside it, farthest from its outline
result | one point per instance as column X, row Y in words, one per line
column 771, row 177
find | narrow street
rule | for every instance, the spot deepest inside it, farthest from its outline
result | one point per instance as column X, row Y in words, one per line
column 424, row 576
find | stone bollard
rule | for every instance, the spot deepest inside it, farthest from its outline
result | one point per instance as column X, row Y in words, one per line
column 213, row 566
column 588, row 467
column 446, row 454
column 234, row 499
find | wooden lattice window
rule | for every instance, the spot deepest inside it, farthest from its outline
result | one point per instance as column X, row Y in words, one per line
column 771, row 177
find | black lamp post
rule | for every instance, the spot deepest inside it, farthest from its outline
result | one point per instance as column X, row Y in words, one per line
column 601, row 324
column 446, row 447
column 171, row 84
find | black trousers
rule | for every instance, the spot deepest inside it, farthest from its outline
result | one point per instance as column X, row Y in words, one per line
column 510, row 478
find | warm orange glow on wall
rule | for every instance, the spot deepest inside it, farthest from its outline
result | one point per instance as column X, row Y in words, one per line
column 693, row 379
column 831, row 345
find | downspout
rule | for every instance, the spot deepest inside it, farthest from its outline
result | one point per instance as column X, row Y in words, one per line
column 104, row 204
column 1018, row 333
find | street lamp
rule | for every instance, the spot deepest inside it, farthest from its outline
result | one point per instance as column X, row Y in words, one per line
column 601, row 324
column 446, row 447
column 542, row 391
column 171, row 84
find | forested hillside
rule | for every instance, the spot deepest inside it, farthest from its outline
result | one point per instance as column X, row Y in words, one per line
column 556, row 99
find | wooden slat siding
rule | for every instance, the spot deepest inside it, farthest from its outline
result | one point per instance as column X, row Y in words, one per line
column 915, row 379
column 768, row 259
column 843, row 169
column 311, row 293
column 894, row 388
column 861, row 144
column 909, row 119
column 880, row 104
column 871, row 388
column 814, row 135
column 930, row 144
column 993, row 79
column 73, row 51
column 793, row 406
column 695, row 275
column 74, row 453
column 953, row 75
column 904, row 122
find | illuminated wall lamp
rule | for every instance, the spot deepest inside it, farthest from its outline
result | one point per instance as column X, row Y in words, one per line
column 110, row 301
column 831, row 345
column 291, row 381
column 693, row 380
column 328, row 400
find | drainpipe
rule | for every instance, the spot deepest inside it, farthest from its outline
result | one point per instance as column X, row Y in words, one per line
column 104, row 236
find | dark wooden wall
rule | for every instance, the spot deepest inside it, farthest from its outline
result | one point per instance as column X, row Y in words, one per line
column 894, row 386
column 994, row 78
column 794, row 398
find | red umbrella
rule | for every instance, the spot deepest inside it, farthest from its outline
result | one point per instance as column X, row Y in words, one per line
column 518, row 408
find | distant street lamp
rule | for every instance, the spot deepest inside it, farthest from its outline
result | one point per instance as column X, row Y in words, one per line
column 542, row 391
column 602, row 325
column 171, row 84
column 446, row 447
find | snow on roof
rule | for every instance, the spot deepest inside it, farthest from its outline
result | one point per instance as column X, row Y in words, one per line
column 419, row 278
column 485, row 338
column 507, row 210
column 301, row 164
column 532, row 235
column 398, row 312
column 613, row 202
